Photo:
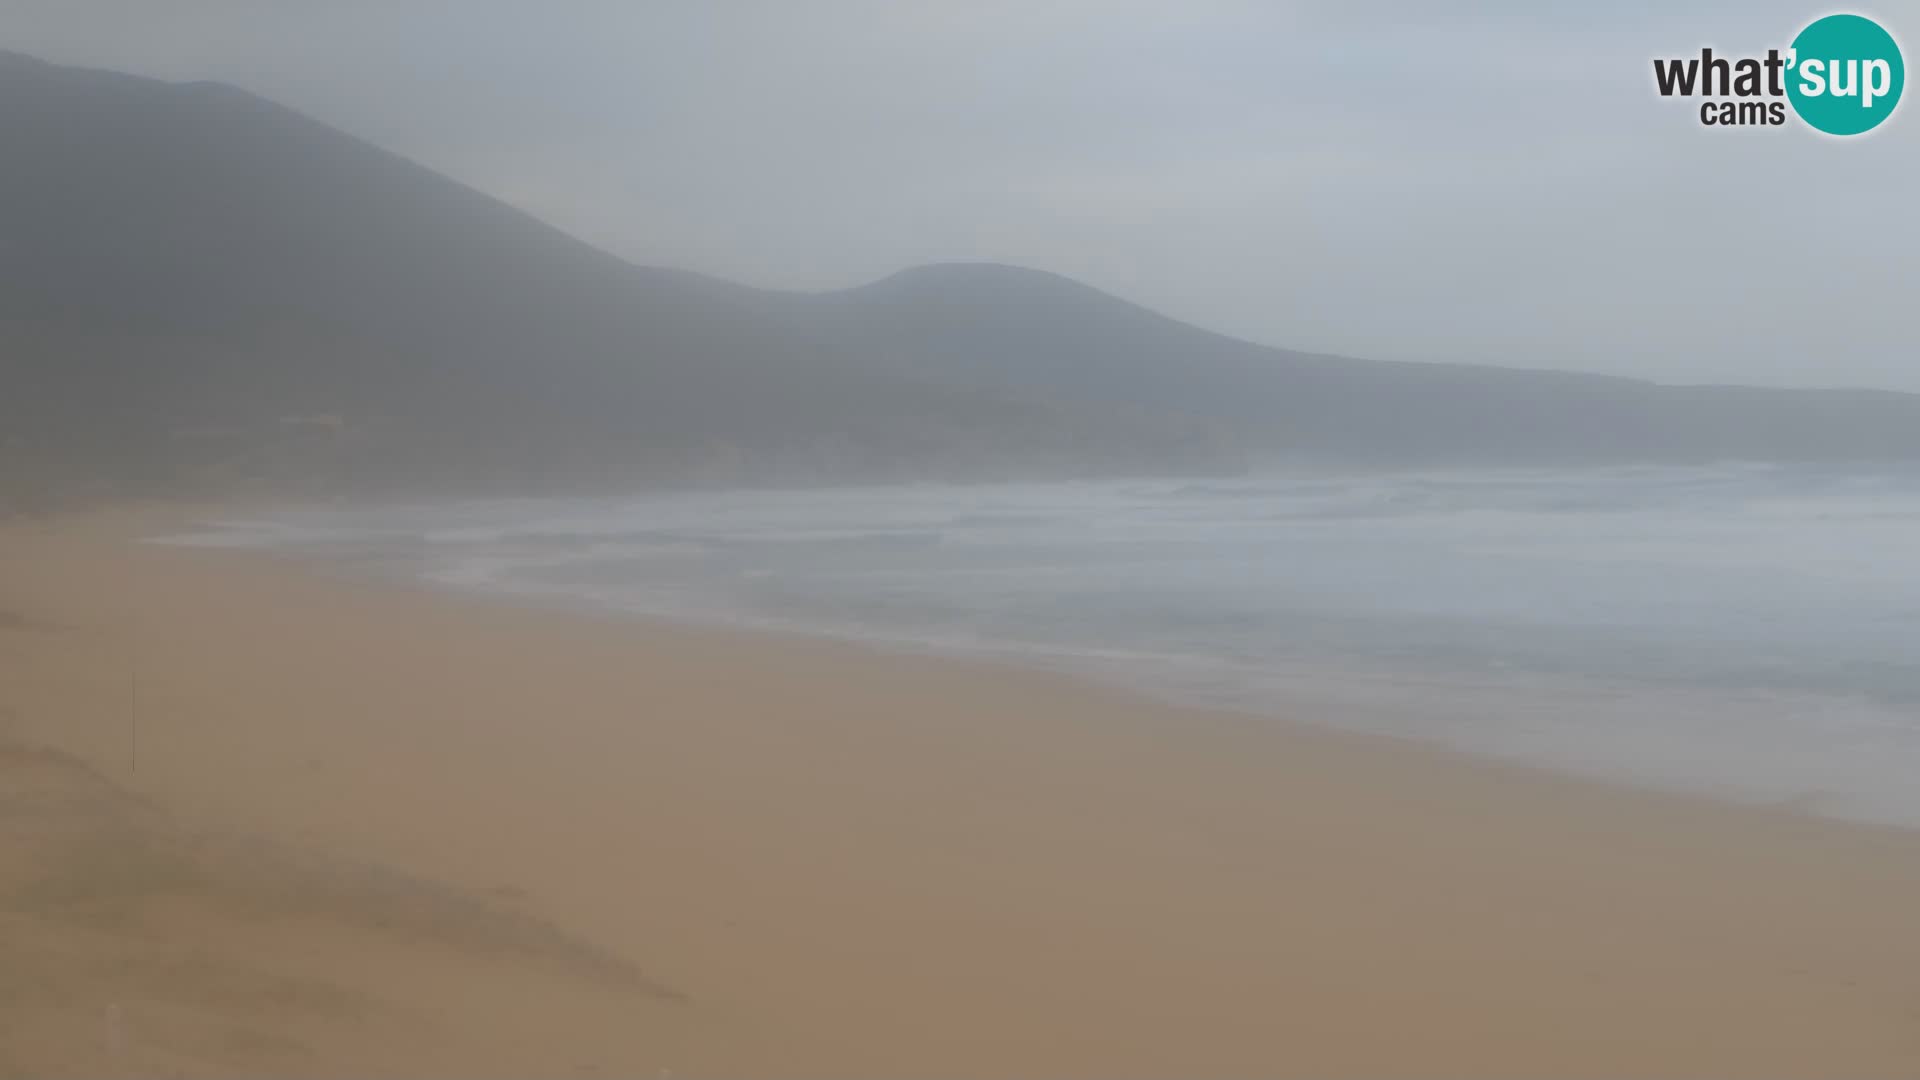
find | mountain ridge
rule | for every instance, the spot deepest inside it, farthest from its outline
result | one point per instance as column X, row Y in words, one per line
column 189, row 270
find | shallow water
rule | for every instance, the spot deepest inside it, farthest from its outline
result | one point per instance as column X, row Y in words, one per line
column 1744, row 631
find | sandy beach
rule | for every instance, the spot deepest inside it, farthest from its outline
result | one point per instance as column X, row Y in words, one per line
column 261, row 818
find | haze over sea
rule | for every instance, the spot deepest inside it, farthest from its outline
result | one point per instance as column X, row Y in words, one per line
column 1742, row 631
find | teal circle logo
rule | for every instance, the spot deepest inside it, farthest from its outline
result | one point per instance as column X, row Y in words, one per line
column 1845, row 74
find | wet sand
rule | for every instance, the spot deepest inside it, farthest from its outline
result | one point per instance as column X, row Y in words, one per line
column 257, row 817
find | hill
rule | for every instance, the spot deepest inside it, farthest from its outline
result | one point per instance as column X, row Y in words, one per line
column 202, row 289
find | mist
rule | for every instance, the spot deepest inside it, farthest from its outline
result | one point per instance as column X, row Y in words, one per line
column 866, row 538
column 1487, row 183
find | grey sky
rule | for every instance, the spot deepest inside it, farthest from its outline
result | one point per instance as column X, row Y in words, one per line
column 1397, row 179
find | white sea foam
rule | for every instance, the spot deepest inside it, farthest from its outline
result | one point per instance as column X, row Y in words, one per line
column 1743, row 630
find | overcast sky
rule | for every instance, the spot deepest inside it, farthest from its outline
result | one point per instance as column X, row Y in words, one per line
column 1398, row 179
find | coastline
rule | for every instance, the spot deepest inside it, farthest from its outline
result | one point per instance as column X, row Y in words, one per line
column 815, row 859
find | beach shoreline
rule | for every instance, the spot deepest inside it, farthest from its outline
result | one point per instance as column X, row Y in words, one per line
column 813, row 858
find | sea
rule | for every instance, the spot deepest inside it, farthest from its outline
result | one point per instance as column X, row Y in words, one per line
column 1741, row 631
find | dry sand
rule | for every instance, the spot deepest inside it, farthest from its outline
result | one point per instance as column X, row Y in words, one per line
column 377, row 831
